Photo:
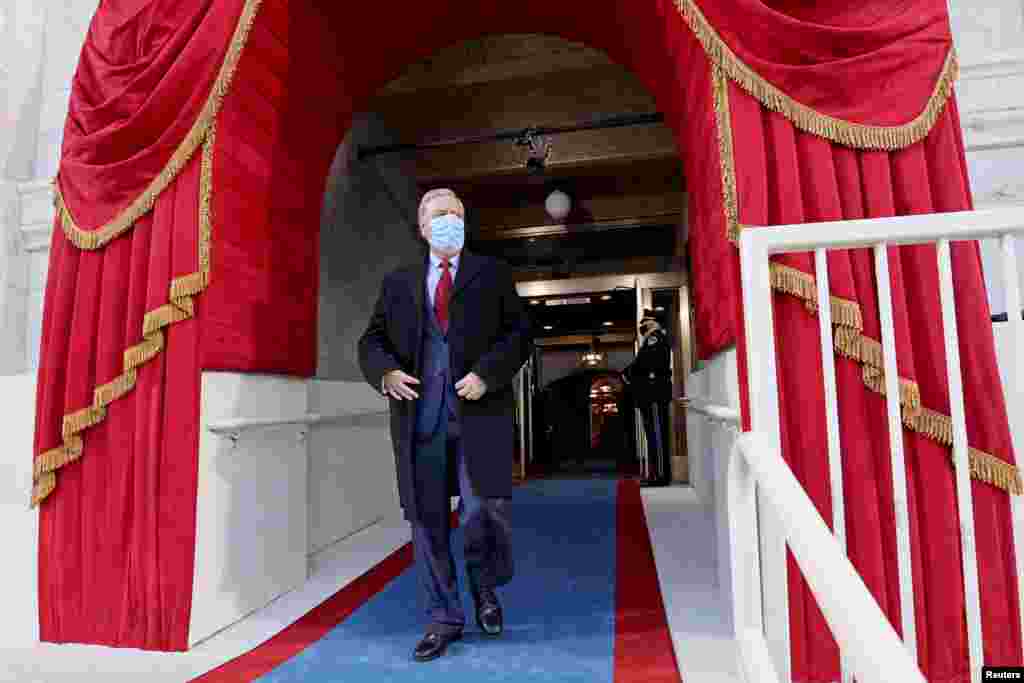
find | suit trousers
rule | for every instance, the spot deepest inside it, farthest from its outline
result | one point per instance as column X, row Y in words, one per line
column 485, row 523
column 656, row 427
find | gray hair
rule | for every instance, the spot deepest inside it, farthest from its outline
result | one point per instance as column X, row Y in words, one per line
column 434, row 194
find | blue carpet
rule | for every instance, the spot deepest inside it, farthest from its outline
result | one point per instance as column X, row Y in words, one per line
column 559, row 608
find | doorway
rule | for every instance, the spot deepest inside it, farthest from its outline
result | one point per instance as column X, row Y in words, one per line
column 572, row 389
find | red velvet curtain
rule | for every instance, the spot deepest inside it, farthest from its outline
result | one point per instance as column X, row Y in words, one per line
column 787, row 176
column 117, row 534
column 116, row 543
column 117, row 537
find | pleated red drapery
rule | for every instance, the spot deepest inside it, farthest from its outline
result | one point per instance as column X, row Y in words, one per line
column 792, row 177
column 142, row 296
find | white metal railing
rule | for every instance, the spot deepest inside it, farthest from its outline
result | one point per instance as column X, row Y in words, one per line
column 716, row 413
column 871, row 645
column 756, row 246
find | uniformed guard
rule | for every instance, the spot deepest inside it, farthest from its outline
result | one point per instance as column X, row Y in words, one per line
column 650, row 379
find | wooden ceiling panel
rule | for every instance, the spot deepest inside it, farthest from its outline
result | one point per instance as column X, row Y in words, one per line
column 557, row 99
column 495, row 58
column 662, row 174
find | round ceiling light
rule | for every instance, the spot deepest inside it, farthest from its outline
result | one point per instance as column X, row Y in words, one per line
column 558, row 205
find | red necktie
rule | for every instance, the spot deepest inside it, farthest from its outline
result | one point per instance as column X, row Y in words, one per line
column 444, row 288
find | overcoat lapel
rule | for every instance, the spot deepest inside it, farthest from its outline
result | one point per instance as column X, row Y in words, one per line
column 417, row 282
column 469, row 268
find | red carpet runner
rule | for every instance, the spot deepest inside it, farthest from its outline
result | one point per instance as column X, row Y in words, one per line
column 643, row 643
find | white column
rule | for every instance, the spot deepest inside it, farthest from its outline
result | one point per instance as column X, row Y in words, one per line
column 989, row 37
column 22, row 31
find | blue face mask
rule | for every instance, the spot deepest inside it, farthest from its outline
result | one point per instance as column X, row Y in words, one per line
column 447, row 233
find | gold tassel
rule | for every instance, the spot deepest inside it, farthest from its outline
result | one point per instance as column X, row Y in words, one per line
column 871, row 352
column 847, row 342
column 794, row 282
column 43, row 487
column 846, row 313
column 803, row 117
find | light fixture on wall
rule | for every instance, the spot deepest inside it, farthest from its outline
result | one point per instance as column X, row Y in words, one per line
column 592, row 358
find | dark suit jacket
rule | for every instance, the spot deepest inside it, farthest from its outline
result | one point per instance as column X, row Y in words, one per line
column 489, row 334
column 650, row 373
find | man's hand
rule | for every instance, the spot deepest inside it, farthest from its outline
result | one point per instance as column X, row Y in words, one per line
column 396, row 385
column 471, row 387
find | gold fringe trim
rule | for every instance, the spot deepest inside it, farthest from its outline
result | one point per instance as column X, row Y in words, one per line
column 849, row 342
column 910, row 393
column 720, row 88
column 846, row 313
column 807, row 119
column 94, row 239
column 795, row 283
column 181, row 306
column 935, row 426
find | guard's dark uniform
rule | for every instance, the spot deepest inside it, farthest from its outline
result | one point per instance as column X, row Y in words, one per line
column 650, row 379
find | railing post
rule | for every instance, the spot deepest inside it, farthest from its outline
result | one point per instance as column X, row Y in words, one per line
column 899, row 469
column 762, row 382
column 835, row 457
column 964, row 502
column 1015, row 394
column 748, row 625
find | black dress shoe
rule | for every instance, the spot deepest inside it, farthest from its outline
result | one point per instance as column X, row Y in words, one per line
column 488, row 612
column 433, row 645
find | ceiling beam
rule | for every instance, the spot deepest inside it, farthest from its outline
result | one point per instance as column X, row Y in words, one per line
column 598, row 283
column 560, row 230
column 581, row 149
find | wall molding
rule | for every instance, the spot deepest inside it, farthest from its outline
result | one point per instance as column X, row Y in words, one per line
column 990, row 93
column 1006, row 194
column 993, row 65
column 994, row 128
column 37, row 214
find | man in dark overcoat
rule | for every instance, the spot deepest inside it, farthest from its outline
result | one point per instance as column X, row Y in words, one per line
column 444, row 343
